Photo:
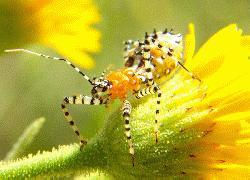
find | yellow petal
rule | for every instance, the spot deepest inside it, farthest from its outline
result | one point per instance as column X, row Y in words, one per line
column 76, row 56
column 245, row 42
column 211, row 55
column 231, row 171
column 66, row 27
column 189, row 43
column 223, row 64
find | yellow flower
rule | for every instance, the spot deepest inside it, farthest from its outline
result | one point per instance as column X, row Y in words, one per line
column 64, row 26
column 223, row 65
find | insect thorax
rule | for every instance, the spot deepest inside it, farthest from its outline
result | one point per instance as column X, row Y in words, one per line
column 123, row 81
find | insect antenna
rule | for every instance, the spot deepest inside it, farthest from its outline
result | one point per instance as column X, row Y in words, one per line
column 54, row 58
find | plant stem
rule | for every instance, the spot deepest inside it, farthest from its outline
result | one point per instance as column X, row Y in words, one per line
column 65, row 160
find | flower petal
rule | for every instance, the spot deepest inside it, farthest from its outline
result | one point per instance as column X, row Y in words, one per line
column 223, row 64
column 212, row 54
column 189, row 43
column 69, row 31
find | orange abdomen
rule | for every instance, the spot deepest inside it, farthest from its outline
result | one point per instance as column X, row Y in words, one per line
column 123, row 82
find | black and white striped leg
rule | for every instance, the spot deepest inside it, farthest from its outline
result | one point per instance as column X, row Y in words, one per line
column 126, row 110
column 155, row 89
column 157, row 111
column 54, row 58
column 144, row 92
column 78, row 100
column 149, row 70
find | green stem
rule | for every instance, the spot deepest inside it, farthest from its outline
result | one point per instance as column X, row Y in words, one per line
column 65, row 160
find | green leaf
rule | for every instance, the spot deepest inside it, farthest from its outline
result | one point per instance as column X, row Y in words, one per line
column 25, row 139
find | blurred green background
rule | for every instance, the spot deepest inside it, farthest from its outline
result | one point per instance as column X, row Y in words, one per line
column 32, row 87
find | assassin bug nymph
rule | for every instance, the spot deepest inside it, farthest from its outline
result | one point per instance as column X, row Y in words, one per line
column 116, row 84
column 146, row 61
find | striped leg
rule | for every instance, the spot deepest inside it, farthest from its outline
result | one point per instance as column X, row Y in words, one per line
column 78, row 100
column 157, row 111
column 149, row 67
column 54, row 58
column 126, row 110
column 152, row 90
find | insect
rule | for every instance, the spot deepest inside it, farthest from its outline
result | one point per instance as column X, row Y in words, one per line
column 159, row 53
column 145, row 61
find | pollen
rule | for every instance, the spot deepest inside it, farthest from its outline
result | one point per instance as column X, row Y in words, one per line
column 123, row 81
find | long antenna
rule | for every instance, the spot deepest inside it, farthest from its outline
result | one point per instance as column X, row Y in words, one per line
column 50, row 57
